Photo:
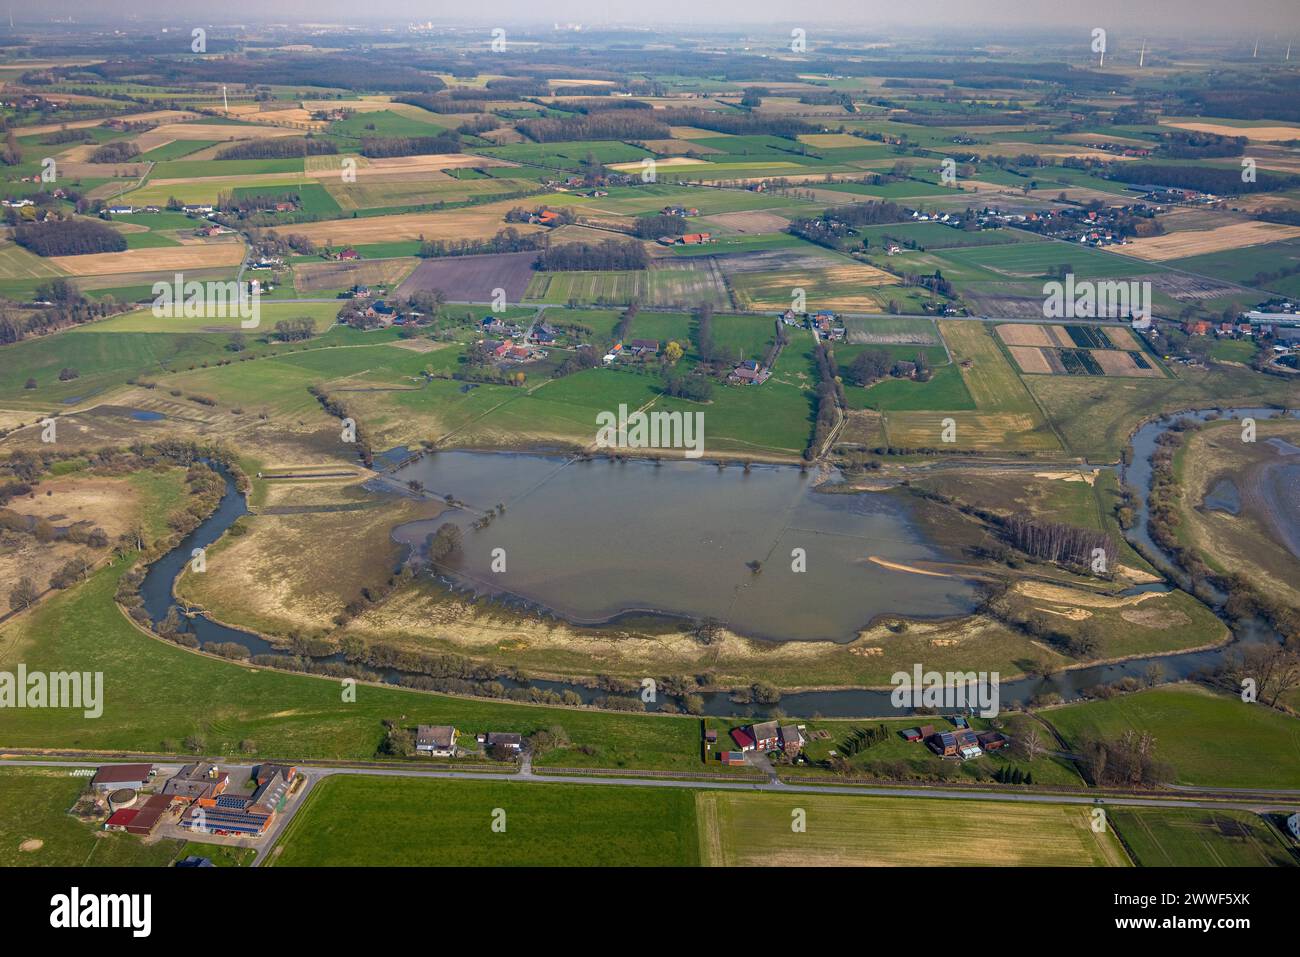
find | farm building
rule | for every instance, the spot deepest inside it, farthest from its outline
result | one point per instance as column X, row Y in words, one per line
column 943, row 743
column 767, row 735
column 142, row 820
column 695, row 239
column 266, row 772
column 645, row 347
column 992, row 740
column 749, row 372
column 744, row 740
column 911, row 734
column 510, row 740
column 237, row 814
column 111, row 777
column 196, row 782
column 791, row 738
column 436, row 740
column 968, row 745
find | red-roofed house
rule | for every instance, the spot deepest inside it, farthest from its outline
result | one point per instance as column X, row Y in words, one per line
column 744, row 740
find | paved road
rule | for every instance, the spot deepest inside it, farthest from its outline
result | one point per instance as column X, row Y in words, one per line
column 1266, row 800
column 1260, row 801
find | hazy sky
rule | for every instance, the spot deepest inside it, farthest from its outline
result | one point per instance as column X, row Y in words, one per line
column 1272, row 19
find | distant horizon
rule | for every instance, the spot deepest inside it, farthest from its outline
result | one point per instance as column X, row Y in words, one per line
column 1271, row 21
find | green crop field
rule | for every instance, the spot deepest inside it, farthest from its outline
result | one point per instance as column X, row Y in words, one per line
column 174, row 150
column 17, row 263
column 1186, row 837
column 1209, row 739
column 387, row 123
column 430, row 823
column 314, row 198
column 1037, row 259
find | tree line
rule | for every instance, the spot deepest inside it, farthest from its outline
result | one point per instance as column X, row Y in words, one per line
column 382, row 146
column 69, row 237
column 609, row 254
column 278, row 147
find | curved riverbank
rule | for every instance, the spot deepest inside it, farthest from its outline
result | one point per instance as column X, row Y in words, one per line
column 1068, row 683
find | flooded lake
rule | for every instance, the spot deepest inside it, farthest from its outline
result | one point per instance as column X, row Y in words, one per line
column 594, row 540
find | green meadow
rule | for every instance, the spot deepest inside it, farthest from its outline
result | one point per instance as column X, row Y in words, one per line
column 1209, row 739
column 431, row 823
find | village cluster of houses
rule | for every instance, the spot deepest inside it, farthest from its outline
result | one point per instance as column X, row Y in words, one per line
column 439, row 741
column 824, row 323
column 636, row 350
column 960, row 742
column 508, row 342
column 765, row 736
column 381, row 313
column 687, row 239
column 196, row 796
column 1283, row 325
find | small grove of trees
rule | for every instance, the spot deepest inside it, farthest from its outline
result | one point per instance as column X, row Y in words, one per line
column 73, row 571
column 830, row 398
column 507, row 240
column 69, row 237
column 860, row 739
column 443, row 543
column 278, row 147
column 121, row 151
column 294, row 330
column 447, row 142
column 610, row 254
column 1058, row 542
column 652, row 227
column 23, row 594
column 1129, row 761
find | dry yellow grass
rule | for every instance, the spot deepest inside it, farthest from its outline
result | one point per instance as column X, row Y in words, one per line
column 315, row 277
column 410, row 164
column 163, row 259
column 1030, row 359
column 154, row 116
column 749, row 221
column 1190, row 243
column 748, row 829
column 664, row 161
column 1121, row 338
column 109, row 503
column 476, row 222
column 1020, row 334
column 1252, row 133
column 1122, row 364
column 170, row 132
column 975, row 430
